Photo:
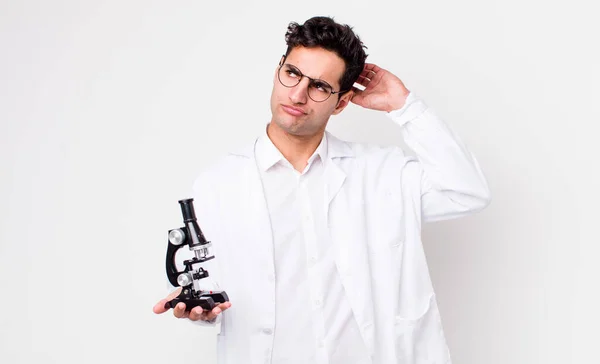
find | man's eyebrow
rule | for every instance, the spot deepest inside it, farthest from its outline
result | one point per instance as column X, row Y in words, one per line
column 289, row 65
column 315, row 79
column 325, row 83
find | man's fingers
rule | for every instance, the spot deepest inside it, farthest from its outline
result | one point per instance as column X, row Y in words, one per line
column 225, row 305
column 197, row 313
column 368, row 74
column 211, row 315
column 372, row 67
column 160, row 307
column 216, row 311
column 179, row 310
column 363, row 81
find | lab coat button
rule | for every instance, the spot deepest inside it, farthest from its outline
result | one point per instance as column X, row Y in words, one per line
column 267, row 331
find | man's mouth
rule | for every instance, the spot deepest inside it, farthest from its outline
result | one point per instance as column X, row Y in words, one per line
column 293, row 110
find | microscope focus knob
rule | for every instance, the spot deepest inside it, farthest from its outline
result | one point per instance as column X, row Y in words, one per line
column 184, row 279
column 176, row 236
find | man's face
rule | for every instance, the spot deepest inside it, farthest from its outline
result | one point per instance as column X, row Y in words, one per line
column 293, row 110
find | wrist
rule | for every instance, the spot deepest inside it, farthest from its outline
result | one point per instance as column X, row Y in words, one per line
column 398, row 102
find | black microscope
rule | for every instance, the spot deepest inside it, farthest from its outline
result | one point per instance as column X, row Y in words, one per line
column 192, row 236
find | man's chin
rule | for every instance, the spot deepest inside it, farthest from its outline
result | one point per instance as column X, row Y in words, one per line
column 287, row 125
column 294, row 126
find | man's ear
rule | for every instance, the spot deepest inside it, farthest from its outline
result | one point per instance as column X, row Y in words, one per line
column 343, row 102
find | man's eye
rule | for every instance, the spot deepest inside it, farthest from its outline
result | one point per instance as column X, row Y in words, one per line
column 320, row 86
column 292, row 73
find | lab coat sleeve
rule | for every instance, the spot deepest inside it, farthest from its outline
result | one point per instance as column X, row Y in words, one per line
column 451, row 182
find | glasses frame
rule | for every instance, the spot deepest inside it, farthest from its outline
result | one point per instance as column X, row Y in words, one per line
column 311, row 81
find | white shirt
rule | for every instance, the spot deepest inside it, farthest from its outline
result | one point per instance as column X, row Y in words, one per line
column 313, row 319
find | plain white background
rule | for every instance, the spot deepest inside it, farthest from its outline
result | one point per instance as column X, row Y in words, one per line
column 109, row 110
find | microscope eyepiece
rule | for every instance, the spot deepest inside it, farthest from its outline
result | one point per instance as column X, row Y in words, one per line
column 187, row 210
column 189, row 218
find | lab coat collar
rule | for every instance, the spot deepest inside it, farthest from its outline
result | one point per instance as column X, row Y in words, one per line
column 267, row 154
column 336, row 148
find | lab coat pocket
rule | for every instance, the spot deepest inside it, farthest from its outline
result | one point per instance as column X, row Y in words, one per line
column 409, row 318
column 406, row 327
column 420, row 338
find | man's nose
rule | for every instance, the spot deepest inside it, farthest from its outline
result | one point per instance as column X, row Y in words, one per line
column 299, row 93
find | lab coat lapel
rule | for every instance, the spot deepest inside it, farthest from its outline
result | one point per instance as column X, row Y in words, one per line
column 334, row 179
column 347, row 232
column 260, row 215
column 334, row 175
column 253, row 212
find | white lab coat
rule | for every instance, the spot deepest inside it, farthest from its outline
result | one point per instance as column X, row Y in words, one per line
column 376, row 200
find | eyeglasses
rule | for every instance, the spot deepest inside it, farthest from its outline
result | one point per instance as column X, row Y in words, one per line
column 318, row 90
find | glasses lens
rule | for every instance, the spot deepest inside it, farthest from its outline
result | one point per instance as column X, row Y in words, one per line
column 288, row 76
column 319, row 91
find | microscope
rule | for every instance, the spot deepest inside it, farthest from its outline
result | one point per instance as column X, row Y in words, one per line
column 191, row 236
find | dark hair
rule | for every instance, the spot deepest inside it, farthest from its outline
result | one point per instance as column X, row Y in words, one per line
column 324, row 32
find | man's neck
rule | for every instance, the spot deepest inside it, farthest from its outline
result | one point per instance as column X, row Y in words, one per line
column 295, row 149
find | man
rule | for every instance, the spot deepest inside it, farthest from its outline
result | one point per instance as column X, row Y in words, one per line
column 317, row 240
